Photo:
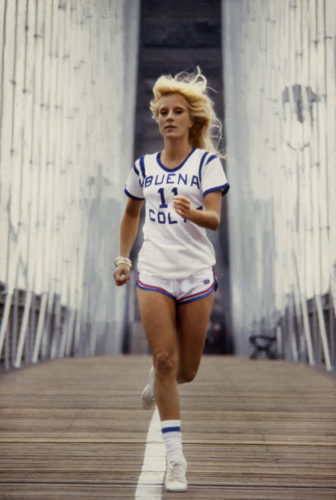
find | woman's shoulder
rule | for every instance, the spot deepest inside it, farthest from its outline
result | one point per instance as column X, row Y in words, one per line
column 146, row 159
column 206, row 156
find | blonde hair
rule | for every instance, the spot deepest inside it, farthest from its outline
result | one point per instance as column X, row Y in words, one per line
column 206, row 131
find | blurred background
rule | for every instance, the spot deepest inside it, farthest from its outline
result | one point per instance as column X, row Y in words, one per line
column 75, row 84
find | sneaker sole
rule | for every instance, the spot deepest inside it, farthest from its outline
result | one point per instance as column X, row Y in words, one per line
column 176, row 490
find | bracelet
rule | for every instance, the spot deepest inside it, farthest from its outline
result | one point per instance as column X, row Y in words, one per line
column 122, row 260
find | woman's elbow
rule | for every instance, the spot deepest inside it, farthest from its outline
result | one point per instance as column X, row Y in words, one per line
column 215, row 222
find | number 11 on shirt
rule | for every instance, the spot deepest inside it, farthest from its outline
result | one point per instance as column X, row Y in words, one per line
column 163, row 200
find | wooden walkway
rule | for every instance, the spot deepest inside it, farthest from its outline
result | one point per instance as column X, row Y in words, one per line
column 74, row 429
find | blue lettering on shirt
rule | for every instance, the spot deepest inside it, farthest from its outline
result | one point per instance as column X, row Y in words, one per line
column 161, row 217
column 157, row 181
column 151, row 214
column 171, row 178
column 182, row 179
column 148, row 180
column 195, row 181
column 170, row 221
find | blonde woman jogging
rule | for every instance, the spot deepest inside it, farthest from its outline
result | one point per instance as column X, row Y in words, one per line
column 182, row 188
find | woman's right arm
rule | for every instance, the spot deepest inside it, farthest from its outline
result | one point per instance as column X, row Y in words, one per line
column 128, row 231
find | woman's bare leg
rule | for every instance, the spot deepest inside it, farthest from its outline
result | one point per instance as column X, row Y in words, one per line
column 192, row 323
column 158, row 315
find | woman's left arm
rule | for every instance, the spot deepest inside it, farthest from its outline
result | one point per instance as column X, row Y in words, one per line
column 208, row 218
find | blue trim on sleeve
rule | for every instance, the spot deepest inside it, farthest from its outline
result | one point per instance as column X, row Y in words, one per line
column 226, row 188
column 142, row 166
column 136, row 170
column 212, row 157
column 132, row 196
column 201, row 165
column 223, row 188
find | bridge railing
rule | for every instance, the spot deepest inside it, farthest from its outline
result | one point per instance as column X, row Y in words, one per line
column 67, row 76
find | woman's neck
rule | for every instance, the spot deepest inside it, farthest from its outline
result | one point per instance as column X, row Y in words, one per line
column 175, row 152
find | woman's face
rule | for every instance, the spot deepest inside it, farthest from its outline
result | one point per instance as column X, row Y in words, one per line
column 173, row 118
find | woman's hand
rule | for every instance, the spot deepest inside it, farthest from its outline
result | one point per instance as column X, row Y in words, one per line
column 208, row 217
column 122, row 274
column 182, row 206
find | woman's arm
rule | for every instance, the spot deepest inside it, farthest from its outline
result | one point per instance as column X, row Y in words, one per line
column 208, row 218
column 128, row 231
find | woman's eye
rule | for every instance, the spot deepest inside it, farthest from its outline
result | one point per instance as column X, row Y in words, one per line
column 163, row 111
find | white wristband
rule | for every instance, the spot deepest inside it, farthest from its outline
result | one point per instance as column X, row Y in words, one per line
column 122, row 260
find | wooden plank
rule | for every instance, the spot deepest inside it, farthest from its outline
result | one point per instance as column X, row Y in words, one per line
column 74, row 428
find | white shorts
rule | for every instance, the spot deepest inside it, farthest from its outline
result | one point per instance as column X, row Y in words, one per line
column 186, row 290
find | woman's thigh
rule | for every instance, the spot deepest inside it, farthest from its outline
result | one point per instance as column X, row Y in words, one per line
column 158, row 316
column 192, row 324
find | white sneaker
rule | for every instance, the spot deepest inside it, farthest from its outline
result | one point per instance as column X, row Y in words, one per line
column 147, row 396
column 175, row 479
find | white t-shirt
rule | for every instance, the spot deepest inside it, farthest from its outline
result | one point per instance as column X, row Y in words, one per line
column 173, row 247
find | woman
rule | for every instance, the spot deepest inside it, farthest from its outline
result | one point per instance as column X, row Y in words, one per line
column 182, row 186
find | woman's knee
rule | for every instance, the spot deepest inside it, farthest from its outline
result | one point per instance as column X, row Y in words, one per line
column 165, row 363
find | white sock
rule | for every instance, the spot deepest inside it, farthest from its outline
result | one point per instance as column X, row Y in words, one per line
column 171, row 432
